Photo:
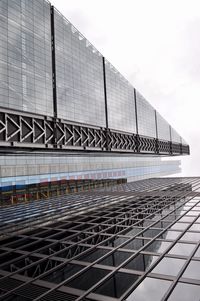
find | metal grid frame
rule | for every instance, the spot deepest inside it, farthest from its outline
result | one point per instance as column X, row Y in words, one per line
column 76, row 256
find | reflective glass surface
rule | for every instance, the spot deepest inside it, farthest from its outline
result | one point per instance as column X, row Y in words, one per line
column 116, row 258
column 150, row 289
column 25, row 56
column 180, row 226
column 146, row 117
column 158, row 246
column 185, row 292
column 191, row 236
column 175, row 136
column 195, row 227
column 163, row 127
column 117, row 285
column 169, row 266
column 182, row 249
column 193, row 270
column 141, row 262
column 79, row 75
column 120, row 101
column 103, row 252
column 197, row 254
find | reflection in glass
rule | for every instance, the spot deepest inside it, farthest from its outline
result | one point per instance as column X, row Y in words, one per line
column 193, row 270
column 25, row 56
column 146, row 117
column 141, row 262
column 172, row 234
column 117, row 285
column 191, row 236
column 88, row 279
column 158, row 246
column 115, row 258
column 180, row 226
column 197, row 254
column 185, row 292
column 120, row 101
column 94, row 255
column 182, row 249
column 62, row 274
column 150, row 289
column 136, row 244
column 188, row 219
column 195, row 227
column 169, row 266
column 79, row 76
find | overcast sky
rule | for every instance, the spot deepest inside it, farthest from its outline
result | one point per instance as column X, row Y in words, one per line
column 155, row 45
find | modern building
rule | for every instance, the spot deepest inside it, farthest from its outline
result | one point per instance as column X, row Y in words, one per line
column 66, row 113
column 137, row 241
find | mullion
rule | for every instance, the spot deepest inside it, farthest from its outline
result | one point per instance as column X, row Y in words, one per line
column 106, row 277
column 134, row 224
column 53, row 269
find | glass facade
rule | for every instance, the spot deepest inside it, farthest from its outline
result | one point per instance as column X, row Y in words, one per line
column 162, row 127
column 146, row 117
column 25, row 56
column 37, row 45
column 120, row 101
column 137, row 241
column 79, row 76
column 175, row 136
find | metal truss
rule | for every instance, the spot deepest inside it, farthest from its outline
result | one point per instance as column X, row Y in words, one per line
column 105, row 251
column 28, row 131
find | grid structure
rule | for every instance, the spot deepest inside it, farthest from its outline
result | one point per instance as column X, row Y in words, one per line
column 148, row 238
column 79, row 75
column 120, row 101
column 175, row 136
column 162, row 127
column 48, row 68
column 146, row 117
column 25, row 56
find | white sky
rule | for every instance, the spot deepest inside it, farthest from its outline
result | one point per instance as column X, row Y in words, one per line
column 155, row 45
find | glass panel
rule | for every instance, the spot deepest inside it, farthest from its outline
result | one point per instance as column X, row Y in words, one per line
column 191, row 236
column 185, row 292
column 146, row 117
column 117, row 285
column 62, row 274
column 193, row 270
column 141, row 262
column 158, row 246
column 88, row 279
column 26, row 73
column 169, row 266
column 182, row 249
column 175, row 136
column 163, row 128
column 92, row 256
column 120, row 101
column 116, row 258
column 195, row 227
column 150, row 289
column 197, row 254
column 180, row 226
column 79, row 76
column 136, row 244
